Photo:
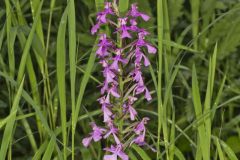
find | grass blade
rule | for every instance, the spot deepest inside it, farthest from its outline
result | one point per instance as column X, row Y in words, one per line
column 198, row 111
column 83, row 85
column 8, row 132
column 61, row 63
column 219, row 150
column 179, row 154
column 40, row 151
column 195, row 5
column 28, row 44
column 159, row 89
column 72, row 58
column 231, row 155
column 49, row 151
column 141, row 152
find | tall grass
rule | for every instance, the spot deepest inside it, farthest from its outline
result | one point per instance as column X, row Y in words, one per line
column 49, row 79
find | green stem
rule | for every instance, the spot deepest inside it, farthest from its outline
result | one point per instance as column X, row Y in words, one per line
column 121, row 86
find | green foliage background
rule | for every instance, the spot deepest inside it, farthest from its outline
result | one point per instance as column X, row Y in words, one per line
column 49, row 79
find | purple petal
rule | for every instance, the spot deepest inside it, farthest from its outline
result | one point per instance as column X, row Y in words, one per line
column 147, row 95
column 139, row 140
column 132, row 99
column 133, row 22
column 140, row 89
column 146, row 61
column 105, row 87
column 86, row 141
column 125, row 34
column 132, row 112
column 116, row 139
column 114, row 93
column 123, row 156
column 124, row 61
column 134, row 28
column 95, row 28
column 151, row 49
column 114, row 65
column 106, row 114
column 112, row 149
column 107, row 5
column 144, row 17
column 140, row 42
column 106, row 118
column 110, row 157
column 97, row 136
column 107, row 135
column 109, row 75
column 100, row 50
column 108, row 98
column 102, row 17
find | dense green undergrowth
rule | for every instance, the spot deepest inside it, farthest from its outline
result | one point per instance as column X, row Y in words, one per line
column 49, row 79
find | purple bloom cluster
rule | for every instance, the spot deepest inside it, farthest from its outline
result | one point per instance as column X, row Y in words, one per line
column 121, row 67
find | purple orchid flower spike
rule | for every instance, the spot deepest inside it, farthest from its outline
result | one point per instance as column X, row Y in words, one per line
column 95, row 135
column 123, row 28
column 135, row 13
column 127, row 55
column 117, row 152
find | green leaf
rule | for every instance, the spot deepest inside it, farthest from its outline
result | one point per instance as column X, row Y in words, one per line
column 198, row 112
column 49, row 151
column 28, row 44
column 219, row 149
column 231, row 155
column 141, row 152
column 61, row 63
